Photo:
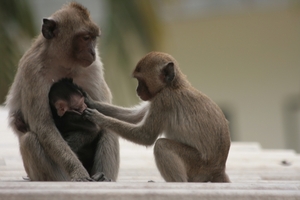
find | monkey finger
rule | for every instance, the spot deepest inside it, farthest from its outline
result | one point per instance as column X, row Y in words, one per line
column 87, row 112
column 88, row 100
column 87, row 179
column 92, row 112
column 100, row 177
column 90, row 180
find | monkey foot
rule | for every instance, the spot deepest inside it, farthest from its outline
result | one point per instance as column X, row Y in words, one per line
column 99, row 176
column 26, row 178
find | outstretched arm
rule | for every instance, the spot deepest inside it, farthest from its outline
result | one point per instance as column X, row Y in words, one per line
column 144, row 133
column 130, row 115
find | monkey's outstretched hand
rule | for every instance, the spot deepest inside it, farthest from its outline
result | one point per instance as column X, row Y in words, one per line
column 94, row 116
column 88, row 100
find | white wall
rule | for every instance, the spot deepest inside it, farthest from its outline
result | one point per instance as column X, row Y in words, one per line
column 248, row 63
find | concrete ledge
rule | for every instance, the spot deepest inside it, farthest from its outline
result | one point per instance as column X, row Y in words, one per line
column 27, row 185
column 255, row 173
column 124, row 191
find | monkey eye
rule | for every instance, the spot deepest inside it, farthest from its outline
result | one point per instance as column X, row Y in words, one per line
column 86, row 37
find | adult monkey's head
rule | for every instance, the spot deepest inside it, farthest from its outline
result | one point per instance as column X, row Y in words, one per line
column 71, row 36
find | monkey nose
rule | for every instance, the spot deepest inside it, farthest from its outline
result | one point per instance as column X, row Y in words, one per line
column 92, row 52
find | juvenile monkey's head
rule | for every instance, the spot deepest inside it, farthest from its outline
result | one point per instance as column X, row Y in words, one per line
column 155, row 72
column 71, row 36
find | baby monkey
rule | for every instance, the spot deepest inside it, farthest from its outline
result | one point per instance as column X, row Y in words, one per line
column 67, row 105
column 197, row 139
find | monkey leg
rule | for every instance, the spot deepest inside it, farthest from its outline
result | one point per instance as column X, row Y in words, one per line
column 178, row 162
column 173, row 159
column 107, row 156
column 38, row 165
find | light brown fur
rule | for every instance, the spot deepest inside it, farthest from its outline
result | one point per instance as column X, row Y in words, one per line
column 46, row 156
column 197, row 139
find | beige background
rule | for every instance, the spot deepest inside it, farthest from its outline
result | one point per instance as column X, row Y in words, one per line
column 245, row 55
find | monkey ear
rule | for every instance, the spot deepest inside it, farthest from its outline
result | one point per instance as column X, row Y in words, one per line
column 48, row 28
column 61, row 107
column 168, row 72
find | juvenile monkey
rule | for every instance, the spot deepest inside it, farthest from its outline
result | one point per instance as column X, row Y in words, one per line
column 66, row 47
column 66, row 101
column 197, row 140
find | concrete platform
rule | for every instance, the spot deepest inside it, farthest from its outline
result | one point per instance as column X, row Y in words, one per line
column 255, row 173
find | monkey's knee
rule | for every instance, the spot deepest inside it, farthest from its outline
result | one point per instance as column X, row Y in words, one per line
column 169, row 164
column 28, row 143
column 160, row 145
column 38, row 165
column 107, row 156
column 160, row 151
column 157, row 150
column 27, row 146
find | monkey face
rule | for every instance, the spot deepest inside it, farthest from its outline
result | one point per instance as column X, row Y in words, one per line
column 75, row 104
column 74, row 37
column 84, row 48
column 154, row 72
column 143, row 91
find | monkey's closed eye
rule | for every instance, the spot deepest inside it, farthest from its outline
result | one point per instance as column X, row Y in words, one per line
column 86, row 37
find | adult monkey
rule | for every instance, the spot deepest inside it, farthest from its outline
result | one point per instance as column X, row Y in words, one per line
column 66, row 48
column 197, row 135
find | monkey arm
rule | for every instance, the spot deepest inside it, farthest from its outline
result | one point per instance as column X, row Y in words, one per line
column 130, row 115
column 144, row 133
column 57, row 149
column 39, row 118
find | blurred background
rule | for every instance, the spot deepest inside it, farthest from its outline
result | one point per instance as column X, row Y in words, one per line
column 244, row 54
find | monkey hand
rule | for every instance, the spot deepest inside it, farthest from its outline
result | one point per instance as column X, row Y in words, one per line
column 100, row 177
column 80, row 175
column 82, row 179
column 94, row 116
column 87, row 179
column 88, row 100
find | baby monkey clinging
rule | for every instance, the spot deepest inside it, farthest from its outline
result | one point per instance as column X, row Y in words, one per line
column 67, row 104
column 197, row 139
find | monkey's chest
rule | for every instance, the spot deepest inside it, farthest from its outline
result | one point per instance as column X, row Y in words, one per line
column 68, row 124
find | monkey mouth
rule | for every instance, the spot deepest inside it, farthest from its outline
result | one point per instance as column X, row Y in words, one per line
column 144, row 97
column 87, row 59
column 87, row 62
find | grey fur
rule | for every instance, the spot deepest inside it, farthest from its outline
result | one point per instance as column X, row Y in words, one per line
column 46, row 156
